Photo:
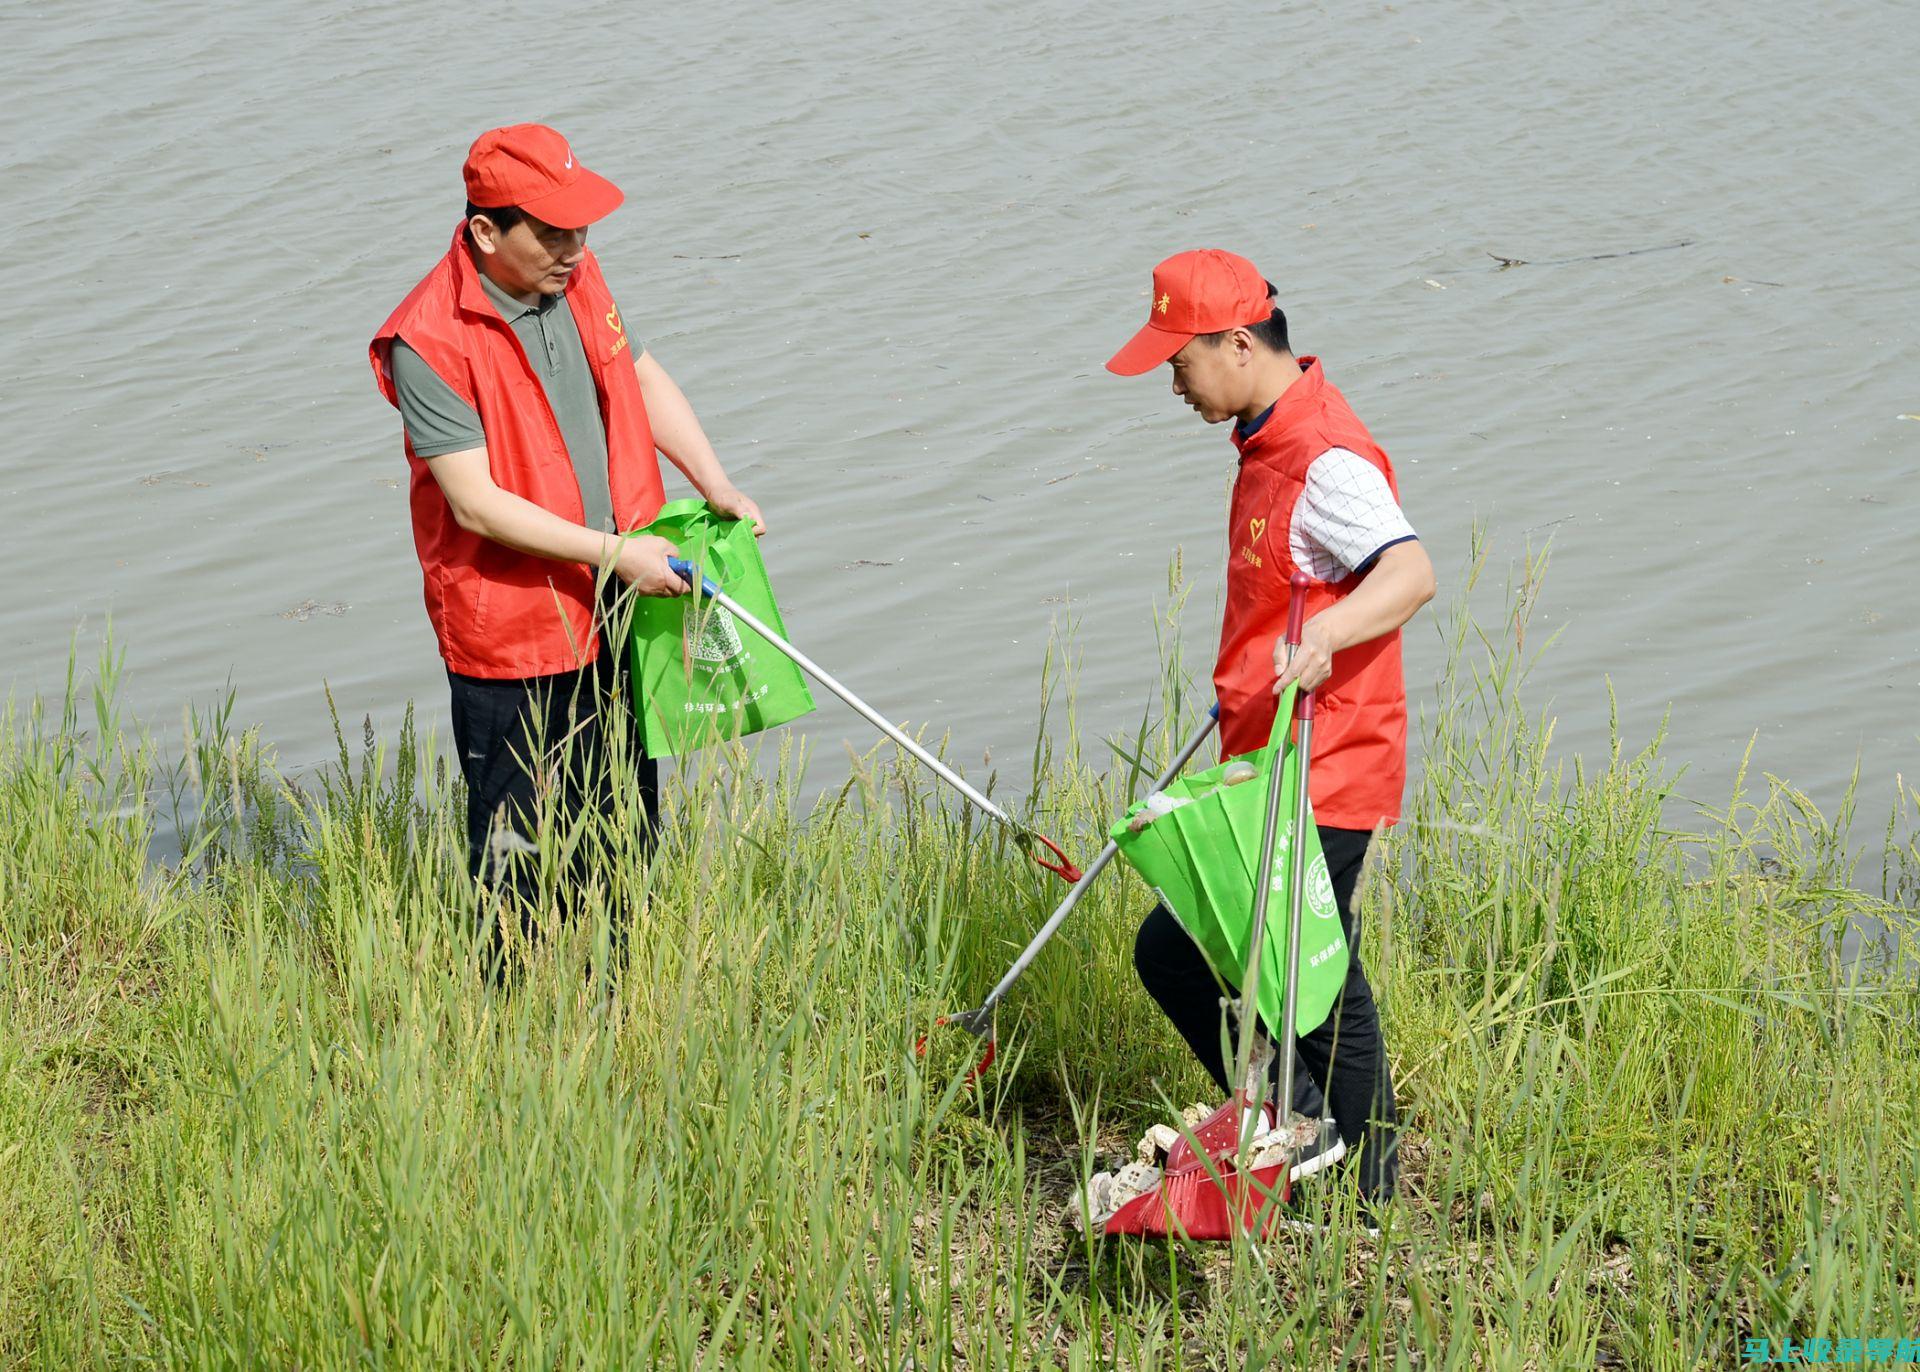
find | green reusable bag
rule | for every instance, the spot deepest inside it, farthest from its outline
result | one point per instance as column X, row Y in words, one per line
column 703, row 676
column 1203, row 861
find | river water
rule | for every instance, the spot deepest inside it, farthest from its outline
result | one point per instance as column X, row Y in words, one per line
column 886, row 249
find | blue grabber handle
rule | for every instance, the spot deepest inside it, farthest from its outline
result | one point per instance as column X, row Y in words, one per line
column 690, row 574
column 1213, row 711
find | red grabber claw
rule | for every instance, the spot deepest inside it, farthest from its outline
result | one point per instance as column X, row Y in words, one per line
column 1061, row 867
column 974, row 1022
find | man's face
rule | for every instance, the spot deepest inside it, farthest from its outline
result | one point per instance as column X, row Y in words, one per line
column 1214, row 378
column 531, row 257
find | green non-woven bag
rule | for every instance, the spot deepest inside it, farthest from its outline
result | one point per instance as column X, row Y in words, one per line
column 704, row 676
column 1203, row 861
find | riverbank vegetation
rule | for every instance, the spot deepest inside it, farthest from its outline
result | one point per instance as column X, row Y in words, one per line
column 261, row 1106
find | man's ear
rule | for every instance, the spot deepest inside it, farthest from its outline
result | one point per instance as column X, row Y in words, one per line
column 484, row 233
column 1243, row 346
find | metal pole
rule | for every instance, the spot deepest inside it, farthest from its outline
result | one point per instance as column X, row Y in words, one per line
column 1297, row 904
column 1256, row 941
column 1256, row 948
column 979, row 1020
column 820, row 674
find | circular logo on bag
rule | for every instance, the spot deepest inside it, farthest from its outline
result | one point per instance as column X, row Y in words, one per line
column 718, row 642
column 1320, row 890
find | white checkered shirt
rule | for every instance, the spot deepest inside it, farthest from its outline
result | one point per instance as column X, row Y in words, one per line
column 1345, row 518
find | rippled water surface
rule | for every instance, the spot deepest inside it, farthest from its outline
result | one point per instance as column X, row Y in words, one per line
column 886, row 250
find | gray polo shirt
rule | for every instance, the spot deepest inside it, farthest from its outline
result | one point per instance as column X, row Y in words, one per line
column 439, row 422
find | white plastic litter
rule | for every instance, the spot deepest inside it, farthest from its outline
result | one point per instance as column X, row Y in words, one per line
column 1092, row 1204
column 1106, row 1192
column 1272, row 1147
column 1157, row 1142
column 1155, row 806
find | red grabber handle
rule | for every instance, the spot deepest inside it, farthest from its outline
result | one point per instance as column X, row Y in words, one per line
column 1296, row 624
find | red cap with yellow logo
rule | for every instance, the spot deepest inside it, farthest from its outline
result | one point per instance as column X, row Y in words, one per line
column 1204, row 291
column 531, row 167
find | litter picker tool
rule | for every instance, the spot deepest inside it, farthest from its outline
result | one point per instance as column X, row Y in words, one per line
column 979, row 1021
column 1225, row 1174
column 1247, row 1061
column 1024, row 835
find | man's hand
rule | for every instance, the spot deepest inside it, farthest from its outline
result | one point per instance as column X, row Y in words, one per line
column 1390, row 594
column 734, row 503
column 642, row 564
column 1311, row 662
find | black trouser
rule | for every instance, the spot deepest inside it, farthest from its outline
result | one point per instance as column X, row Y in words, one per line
column 522, row 738
column 1344, row 1056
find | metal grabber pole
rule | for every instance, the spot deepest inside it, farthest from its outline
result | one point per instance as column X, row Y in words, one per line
column 1250, row 1072
column 1024, row 835
column 979, row 1021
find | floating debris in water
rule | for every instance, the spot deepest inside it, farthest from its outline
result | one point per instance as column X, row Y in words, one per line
column 1096, row 467
column 307, row 609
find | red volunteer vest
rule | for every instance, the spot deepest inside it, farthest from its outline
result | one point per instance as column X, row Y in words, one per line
column 501, row 613
column 1360, row 725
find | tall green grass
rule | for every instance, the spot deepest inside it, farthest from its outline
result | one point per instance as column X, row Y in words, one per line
column 260, row 1104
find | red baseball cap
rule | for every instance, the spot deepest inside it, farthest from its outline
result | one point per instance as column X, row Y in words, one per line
column 1198, row 292
column 531, row 167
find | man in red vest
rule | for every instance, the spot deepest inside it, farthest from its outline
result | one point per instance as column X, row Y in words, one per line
column 531, row 423
column 1314, row 492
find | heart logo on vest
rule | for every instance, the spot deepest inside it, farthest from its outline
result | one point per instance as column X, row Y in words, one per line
column 1255, row 527
column 613, row 320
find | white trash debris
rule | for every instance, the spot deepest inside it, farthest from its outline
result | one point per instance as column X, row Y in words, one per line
column 1106, row 1193
column 1238, row 772
column 1135, row 1179
column 1156, row 806
column 1092, row 1205
column 1156, row 1143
